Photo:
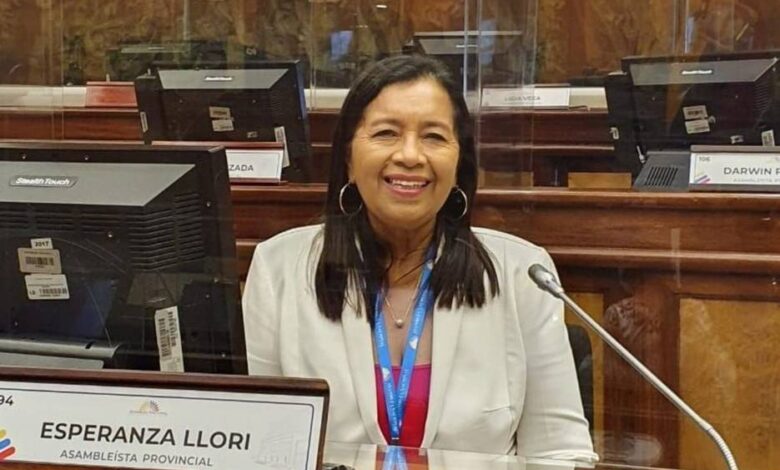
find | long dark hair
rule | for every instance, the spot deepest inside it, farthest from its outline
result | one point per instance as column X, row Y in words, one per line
column 352, row 257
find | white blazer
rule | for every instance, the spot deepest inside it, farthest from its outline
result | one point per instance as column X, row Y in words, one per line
column 502, row 376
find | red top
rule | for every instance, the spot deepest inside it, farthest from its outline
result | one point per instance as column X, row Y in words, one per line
column 416, row 411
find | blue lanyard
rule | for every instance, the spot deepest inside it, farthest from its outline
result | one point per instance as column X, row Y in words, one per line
column 395, row 459
column 395, row 398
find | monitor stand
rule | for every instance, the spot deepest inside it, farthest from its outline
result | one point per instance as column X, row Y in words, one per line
column 39, row 361
column 665, row 170
column 47, row 352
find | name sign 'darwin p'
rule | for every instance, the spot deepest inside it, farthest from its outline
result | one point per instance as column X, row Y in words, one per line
column 735, row 168
column 160, row 428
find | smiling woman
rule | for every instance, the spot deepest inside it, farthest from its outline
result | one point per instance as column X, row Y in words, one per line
column 405, row 157
column 427, row 330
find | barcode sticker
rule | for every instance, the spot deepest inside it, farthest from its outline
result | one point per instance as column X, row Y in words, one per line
column 166, row 322
column 768, row 138
column 144, row 122
column 32, row 261
column 47, row 287
column 699, row 126
column 281, row 136
column 695, row 112
column 220, row 112
column 222, row 125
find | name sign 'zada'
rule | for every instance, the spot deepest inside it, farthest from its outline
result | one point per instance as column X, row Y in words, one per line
column 158, row 428
column 245, row 164
column 737, row 170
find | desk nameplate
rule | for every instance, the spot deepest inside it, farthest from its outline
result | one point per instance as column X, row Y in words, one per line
column 537, row 96
column 742, row 169
column 158, row 428
column 255, row 164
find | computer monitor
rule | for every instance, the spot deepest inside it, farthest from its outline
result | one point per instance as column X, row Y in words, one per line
column 98, row 240
column 668, row 104
column 498, row 53
column 129, row 61
column 215, row 105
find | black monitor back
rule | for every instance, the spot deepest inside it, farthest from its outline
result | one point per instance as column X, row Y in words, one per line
column 672, row 103
column 140, row 229
column 459, row 52
column 129, row 61
column 215, row 105
column 719, row 103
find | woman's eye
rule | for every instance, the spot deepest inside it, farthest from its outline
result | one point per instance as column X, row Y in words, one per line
column 385, row 133
column 437, row 137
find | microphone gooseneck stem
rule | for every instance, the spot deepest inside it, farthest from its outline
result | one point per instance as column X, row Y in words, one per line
column 547, row 282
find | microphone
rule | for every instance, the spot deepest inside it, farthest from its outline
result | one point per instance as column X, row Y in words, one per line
column 546, row 281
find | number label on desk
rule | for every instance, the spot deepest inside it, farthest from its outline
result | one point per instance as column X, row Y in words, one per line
column 112, row 426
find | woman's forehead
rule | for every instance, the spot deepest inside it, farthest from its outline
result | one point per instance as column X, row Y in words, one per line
column 424, row 99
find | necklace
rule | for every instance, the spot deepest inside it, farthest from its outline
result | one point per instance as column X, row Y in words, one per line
column 399, row 322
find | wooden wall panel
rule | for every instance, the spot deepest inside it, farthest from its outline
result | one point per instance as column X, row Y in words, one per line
column 593, row 303
column 30, row 31
column 91, row 27
column 42, row 41
column 729, row 373
column 617, row 28
column 560, row 48
column 733, row 25
column 281, row 27
column 642, row 425
column 436, row 15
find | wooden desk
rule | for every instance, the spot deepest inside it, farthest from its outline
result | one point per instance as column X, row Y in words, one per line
column 371, row 457
column 548, row 143
column 673, row 232
column 688, row 282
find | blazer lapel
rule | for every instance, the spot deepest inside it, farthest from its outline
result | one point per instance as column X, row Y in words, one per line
column 357, row 337
column 446, row 329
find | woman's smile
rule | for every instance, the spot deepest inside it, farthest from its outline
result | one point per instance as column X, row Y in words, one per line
column 406, row 186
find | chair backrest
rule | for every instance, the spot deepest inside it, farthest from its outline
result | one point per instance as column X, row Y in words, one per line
column 583, row 363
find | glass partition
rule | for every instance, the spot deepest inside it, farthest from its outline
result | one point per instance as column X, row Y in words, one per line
column 54, row 42
column 688, row 281
column 347, row 36
column 32, row 71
